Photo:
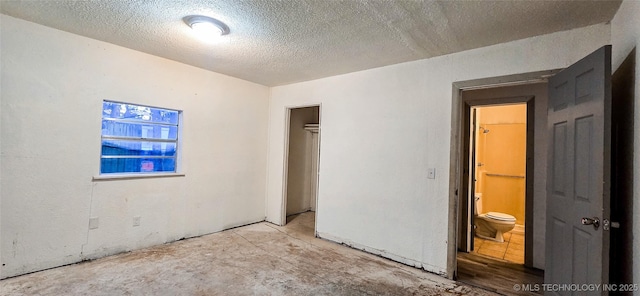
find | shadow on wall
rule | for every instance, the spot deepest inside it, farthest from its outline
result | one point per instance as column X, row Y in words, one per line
column 623, row 94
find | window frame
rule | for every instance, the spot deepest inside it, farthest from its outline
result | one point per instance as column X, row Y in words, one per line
column 141, row 139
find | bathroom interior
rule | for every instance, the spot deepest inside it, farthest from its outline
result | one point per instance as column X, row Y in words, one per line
column 500, row 179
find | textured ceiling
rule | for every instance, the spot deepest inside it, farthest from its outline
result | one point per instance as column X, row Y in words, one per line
column 275, row 42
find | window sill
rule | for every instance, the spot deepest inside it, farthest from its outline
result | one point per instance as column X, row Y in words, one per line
column 111, row 177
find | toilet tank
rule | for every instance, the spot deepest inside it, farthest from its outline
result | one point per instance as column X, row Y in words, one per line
column 478, row 204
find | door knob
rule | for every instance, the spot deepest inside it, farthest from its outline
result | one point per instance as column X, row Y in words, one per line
column 591, row 221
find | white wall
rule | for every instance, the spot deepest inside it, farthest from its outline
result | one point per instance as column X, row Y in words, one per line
column 383, row 128
column 53, row 84
column 625, row 35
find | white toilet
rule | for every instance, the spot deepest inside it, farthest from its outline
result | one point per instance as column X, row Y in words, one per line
column 491, row 225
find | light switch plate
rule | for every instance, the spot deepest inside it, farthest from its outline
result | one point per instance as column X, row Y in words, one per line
column 431, row 173
column 136, row 221
column 94, row 223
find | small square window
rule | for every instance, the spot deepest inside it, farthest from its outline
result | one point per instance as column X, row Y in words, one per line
column 138, row 139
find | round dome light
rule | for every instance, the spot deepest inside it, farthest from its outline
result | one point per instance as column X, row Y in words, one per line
column 205, row 27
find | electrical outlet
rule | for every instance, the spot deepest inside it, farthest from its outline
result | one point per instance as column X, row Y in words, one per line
column 136, row 221
column 93, row 222
column 431, row 173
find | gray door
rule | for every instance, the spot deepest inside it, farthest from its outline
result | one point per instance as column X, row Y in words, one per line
column 579, row 124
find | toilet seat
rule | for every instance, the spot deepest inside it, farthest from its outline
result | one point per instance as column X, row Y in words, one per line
column 501, row 216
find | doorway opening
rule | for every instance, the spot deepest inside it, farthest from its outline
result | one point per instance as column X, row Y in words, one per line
column 301, row 166
column 502, row 138
column 576, row 168
column 498, row 167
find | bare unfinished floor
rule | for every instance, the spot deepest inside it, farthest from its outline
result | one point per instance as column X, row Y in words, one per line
column 258, row 259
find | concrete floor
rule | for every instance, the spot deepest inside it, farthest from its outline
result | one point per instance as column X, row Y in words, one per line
column 258, row 259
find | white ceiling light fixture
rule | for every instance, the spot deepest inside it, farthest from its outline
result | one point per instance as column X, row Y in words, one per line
column 206, row 28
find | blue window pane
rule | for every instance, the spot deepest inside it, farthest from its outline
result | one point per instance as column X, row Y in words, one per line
column 112, row 128
column 138, row 139
column 137, row 148
column 137, row 165
column 142, row 113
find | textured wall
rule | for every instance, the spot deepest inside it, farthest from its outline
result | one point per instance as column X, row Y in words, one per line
column 382, row 129
column 377, row 197
column 53, row 84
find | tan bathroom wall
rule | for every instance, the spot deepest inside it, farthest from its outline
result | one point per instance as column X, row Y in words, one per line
column 502, row 153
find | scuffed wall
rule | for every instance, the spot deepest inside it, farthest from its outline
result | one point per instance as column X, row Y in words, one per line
column 53, row 85
column 383, row 129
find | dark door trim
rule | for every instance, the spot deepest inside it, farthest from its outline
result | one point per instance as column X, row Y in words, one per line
column 457, row 145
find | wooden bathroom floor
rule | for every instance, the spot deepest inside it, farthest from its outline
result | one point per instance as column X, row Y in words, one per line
column 512, row 249
column 497, row 267
column 495, row 275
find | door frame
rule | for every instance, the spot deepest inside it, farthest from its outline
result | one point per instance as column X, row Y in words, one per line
column 285, row 179
column 458, row 147
column 315, row 154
